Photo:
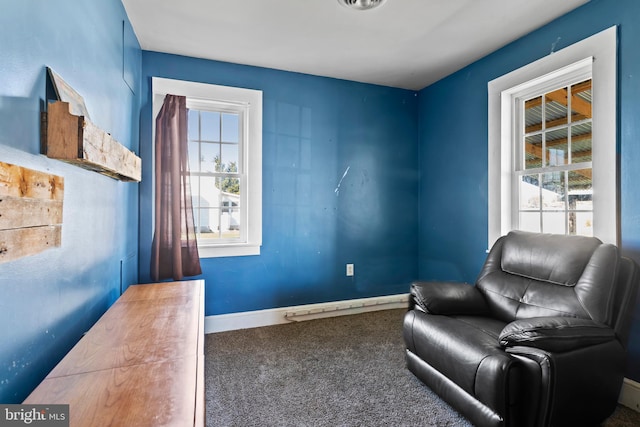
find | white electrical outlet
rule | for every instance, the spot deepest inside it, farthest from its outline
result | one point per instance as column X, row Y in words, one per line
column 349, row 269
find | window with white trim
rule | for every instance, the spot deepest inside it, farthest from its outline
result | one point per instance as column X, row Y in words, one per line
column 552, row 144
column 225, row 162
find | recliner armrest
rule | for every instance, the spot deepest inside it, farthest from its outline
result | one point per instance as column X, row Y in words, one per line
column 448, row 298
column 555, row 334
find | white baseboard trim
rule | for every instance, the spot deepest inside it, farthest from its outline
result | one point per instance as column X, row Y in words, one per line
column 630, row 394
column 276, row 316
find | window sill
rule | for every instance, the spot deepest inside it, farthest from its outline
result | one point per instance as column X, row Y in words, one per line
column 218, row 251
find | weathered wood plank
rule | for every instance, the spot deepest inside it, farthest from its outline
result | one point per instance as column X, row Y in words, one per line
column 20, row 212
column 64, row 141
column 101, row 148
column 76, row 140
column 16, row 181
column 21, row 242
column 30, row 211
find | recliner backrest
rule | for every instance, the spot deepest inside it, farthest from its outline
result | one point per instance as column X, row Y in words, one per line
column 531, row 275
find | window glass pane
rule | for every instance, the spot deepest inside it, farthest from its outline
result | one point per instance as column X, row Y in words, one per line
column 581, row 101
column 554, row 222
column 580, row 189
column 580, row 199
column 193, row 123
column 533, row 151
column 529, row 192
column 581, row 223
column 230, row 127
column 203, row 223
column 553, row 191
column 194, row 156
column 533, row 115
column 556, row 108
column 581, row 142
column 557, row 147
column 209, row 193
column 209, row 157
column 196, row 219
column 194, row 189
column 230, row 157
column 229, row 186
column 210, row 125
column 209, row 223
column 230, row 223
column 530, row 221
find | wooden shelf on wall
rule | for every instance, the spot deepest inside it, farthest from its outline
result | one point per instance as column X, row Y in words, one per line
column 75, row 139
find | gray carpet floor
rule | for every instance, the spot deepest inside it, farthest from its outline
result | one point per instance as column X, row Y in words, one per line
column 340, row 371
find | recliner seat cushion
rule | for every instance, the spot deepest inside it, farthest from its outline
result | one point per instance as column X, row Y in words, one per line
column 480, row 366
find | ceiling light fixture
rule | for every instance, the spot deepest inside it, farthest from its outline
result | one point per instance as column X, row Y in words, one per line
column 361, row 4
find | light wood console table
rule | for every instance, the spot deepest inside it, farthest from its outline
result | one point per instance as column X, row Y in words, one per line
column 141, row 364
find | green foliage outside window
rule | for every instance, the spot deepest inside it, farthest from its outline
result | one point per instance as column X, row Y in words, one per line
column 227, row 184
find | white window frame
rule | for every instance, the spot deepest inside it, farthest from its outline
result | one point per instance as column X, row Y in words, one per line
column 251, row 152
column 599, row 52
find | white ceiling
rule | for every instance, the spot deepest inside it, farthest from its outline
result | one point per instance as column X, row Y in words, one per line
column 404, row 43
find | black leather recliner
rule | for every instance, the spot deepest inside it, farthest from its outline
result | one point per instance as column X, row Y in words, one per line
column 538, row 341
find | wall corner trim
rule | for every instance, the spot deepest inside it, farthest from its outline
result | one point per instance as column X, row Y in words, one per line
column 630, row 394
column 276, row 316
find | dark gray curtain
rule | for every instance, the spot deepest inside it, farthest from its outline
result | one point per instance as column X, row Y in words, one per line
column 174, row 252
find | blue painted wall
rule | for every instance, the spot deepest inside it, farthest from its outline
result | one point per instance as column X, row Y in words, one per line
column 453, row 145
column 48, row 300
column 314, row 129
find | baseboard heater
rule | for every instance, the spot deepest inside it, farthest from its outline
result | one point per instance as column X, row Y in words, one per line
column 340, row 308
column 282, row 315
